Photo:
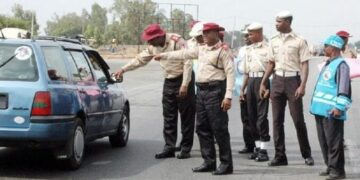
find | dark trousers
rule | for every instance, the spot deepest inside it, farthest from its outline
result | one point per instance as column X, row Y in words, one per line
column 258, row 111
column 212, row 122
column 172, row 104
column 247, row 136
column 331, row 134
column 282, row 91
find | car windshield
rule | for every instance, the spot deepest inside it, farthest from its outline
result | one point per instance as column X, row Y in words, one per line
column 17, row 63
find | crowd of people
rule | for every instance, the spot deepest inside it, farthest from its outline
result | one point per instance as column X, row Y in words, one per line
column 274, row 72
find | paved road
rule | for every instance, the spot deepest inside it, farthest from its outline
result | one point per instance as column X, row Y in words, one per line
column 136, row 161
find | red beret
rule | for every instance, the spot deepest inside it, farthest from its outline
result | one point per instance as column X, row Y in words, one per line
column 152, row 31
column 343, row 34
column 212, row 26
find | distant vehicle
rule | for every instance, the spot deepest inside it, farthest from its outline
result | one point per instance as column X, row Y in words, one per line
column 15, row 33
column 57, row 93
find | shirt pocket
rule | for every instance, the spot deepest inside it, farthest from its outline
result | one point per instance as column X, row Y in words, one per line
column 293, row 50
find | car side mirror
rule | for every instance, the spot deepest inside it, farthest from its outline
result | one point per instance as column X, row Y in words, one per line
column 116, row 80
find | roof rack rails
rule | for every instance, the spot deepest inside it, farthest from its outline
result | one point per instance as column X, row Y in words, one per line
column 53, row 38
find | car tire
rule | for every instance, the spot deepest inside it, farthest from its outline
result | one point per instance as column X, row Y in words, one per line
column 76, row 147
column 121, row 137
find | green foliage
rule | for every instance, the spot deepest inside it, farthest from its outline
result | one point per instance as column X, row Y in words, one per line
column 68, row 25
column 134, row 16
column 20, row 19
column 130, row 18
column 180, row 22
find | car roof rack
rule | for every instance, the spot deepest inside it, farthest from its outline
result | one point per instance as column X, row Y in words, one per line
column 54, row 38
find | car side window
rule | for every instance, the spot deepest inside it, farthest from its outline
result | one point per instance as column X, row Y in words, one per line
column 73, row 67
column 55, row 63
column 99, row 73
column 82, row 66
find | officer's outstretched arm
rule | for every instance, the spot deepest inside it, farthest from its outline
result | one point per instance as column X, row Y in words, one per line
column 183, row 55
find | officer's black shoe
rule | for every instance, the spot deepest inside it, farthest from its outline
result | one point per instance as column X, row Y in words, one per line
column 183, row 155
column 333, row 176
column 205, row 168
column 262, row 156
column 223, row 169
column 309, row 161
column 245, row 150
column 178, row 148
column 164, row 154
column 324, row 173
column 255, row 153
column 278, row 162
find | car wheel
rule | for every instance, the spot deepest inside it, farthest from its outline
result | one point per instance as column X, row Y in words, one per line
column 121, row 137
column 76, row 147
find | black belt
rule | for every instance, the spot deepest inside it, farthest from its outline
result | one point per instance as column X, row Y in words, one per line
column 174, row 79
column 209, row 85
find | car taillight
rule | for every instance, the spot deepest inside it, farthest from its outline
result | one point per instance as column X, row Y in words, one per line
column 42, row 104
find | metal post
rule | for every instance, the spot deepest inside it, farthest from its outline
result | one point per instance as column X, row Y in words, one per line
column 233, row 33
column 197, row 12
column 32, row 25
column 171, row 18
column 184, row 22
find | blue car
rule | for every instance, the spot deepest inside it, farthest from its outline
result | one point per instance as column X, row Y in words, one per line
column 57, row 93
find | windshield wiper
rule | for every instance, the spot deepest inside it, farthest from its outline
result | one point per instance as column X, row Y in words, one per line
column 5, row 62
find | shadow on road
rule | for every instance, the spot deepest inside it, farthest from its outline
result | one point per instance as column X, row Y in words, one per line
column 101, row 161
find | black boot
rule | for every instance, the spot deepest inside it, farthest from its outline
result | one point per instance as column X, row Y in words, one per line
column 255, row 153
column 205, row 168
column 262, row 156
column 164, row 154
column 223, row 169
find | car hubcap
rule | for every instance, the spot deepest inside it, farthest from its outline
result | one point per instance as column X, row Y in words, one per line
column 78, row 144
column 124, row 128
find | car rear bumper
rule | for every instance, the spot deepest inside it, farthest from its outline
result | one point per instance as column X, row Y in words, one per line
column 52, row 131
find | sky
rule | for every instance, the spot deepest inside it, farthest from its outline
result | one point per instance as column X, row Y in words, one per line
column 315, row 20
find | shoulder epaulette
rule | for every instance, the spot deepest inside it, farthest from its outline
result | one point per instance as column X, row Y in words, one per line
column 225, row 46
column 275, row 36
column 175, row 37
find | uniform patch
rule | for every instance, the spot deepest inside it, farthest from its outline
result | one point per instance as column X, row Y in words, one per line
column 327, row 75
column 225, row 46
column 175, row 38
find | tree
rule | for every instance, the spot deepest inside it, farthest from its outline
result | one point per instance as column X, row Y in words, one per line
column 68, row 25
column 134, row 16
column 97, row 23
column 180, row 22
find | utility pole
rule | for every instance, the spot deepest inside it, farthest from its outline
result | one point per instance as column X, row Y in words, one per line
column 233, row 33
column 32, row 24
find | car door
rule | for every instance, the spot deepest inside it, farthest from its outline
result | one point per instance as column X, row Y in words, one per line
column 88, row 90
column 112, row 94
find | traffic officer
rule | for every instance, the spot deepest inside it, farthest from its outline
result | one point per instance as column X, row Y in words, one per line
column 254, row 66
column 330, row 101
column 346, row 51
column 239, row 61
column 178, row 90
column 215, row 81
column 288, row 57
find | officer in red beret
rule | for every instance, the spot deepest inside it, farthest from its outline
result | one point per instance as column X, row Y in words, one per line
column 346, row 51
column 215, row 81
column 178, row 92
